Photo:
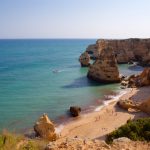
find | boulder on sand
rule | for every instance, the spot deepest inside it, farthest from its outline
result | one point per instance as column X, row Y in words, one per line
column 75, row 111
column 45, row 128
column 127, row 104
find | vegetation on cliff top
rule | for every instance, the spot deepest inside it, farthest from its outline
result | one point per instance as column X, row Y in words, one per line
column 9, row 141
column 134, row 130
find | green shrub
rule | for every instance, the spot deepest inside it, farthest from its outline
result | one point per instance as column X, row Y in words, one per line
column 134, row 130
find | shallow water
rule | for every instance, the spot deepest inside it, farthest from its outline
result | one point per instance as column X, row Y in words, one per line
column 44, row 76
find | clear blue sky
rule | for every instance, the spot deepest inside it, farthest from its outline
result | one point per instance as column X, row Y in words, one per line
column 74, row 18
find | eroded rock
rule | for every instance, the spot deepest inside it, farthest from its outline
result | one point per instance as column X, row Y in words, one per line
column 127, row 104
column 85, row 59
column 45, row 128
column 143, row 79
column 127, row 50
column 105, row 68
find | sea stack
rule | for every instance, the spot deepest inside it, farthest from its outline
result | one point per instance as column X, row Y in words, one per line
column 84, row 59
column 105, row 68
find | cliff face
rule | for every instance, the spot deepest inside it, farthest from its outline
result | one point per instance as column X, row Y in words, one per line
column 125, row 50
column 104, row 69
column 143, row 79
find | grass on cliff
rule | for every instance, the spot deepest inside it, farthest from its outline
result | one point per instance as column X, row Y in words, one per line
column 134, row 130
column 9, row 141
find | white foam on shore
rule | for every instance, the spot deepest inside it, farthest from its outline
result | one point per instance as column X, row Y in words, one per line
column 59, row 128
column 114, row 99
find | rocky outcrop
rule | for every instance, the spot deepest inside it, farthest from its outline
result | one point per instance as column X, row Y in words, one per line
column 45, row 128
column 84, row 59
column 75, row 111
column 128, row 104
column 92, row 51
column 104, row 69
column 143, row 79
column 87, row 144
column 125, row 50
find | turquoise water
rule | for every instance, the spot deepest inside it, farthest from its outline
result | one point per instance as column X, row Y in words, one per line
column 44, row 76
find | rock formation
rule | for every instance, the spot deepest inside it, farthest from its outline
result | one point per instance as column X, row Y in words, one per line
column 75, row 111
column 140, row 80
column 125, row 50
column 104, row 69
column 88, row 144
column 128, row 104
column 45, row 128
column 84, row 59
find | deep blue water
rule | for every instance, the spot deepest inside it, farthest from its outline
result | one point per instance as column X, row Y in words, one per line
column 44, row 76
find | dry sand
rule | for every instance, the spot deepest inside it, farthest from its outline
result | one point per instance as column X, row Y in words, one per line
column 96, row 125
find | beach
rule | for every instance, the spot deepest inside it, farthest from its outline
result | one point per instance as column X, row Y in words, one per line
column 97, row 124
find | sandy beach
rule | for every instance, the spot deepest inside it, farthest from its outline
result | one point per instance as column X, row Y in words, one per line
column 96, row 125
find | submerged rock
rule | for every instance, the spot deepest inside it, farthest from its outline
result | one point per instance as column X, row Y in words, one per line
column 75, row 111
column 45, row 128
column 85, row 59
column 105, row 68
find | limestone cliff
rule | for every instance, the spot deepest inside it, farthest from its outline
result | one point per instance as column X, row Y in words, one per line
column 143, row 79
column 125, row 50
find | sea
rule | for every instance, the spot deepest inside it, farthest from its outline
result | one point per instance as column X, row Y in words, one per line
column 44, row 76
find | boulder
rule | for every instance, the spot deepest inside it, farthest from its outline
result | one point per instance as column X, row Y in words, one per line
column 105, row 68
column 85, row 59
column 121, row 139
column 75, row 111
column 127, row 104
column 124, row 83
column 45, row 128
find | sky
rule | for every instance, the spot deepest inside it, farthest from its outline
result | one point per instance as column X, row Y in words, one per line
column 74, row 19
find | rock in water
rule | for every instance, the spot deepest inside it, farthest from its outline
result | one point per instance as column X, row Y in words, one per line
column 85, row 59
column 105, row 68
column 45, row 128
column 75, row 111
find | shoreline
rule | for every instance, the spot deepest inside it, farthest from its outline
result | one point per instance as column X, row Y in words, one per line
column 92, row 108
column 97, row 124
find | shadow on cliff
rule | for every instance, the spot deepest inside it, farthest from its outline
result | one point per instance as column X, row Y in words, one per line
column 82, row 82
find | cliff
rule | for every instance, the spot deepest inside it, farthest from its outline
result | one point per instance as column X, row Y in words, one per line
column 125, row 50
